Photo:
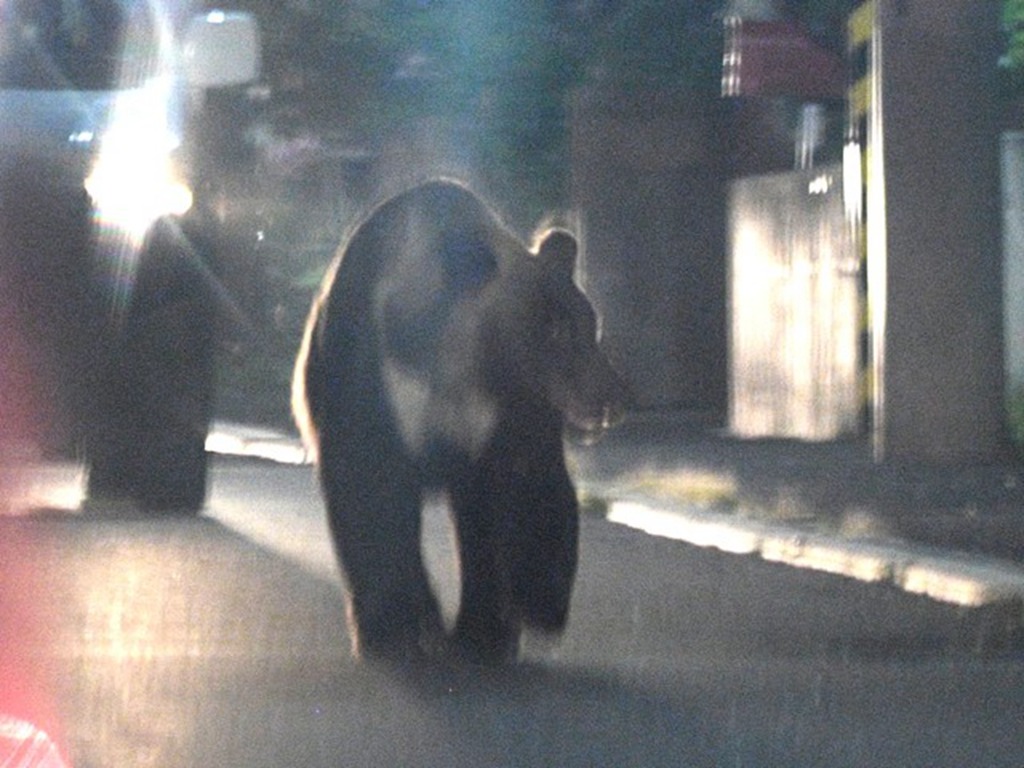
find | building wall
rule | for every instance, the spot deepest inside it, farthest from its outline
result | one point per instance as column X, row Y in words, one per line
column 939, row 308
column 649, row 190
column 1013, row 253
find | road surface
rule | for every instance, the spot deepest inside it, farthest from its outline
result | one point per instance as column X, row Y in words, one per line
column 221, row 641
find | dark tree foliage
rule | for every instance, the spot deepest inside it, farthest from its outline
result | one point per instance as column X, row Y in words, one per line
column 650, row 43
column 1012, row 61
column 497, row 71
column 504, row 70
column 507, row 68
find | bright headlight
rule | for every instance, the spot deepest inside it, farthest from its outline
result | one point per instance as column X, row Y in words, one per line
column 133, row 181
column 132, row 195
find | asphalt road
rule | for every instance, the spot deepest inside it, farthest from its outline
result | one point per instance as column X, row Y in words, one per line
column 220, row 641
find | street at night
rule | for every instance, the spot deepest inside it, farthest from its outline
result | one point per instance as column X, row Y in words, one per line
column 738, row 281
column 221, row 640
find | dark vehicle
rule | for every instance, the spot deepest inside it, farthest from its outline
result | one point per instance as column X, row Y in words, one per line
column 109, row 169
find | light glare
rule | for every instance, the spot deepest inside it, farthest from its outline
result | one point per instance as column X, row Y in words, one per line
column 133, row 182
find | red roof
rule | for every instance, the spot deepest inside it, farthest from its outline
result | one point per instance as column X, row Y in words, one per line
column 778, row 58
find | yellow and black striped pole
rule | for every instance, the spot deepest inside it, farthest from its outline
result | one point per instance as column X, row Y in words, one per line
column 860, row 95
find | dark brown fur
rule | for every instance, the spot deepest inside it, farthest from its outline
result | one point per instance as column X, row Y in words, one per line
column 443, row 354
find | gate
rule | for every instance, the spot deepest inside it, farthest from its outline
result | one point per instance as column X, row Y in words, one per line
column 795, row 314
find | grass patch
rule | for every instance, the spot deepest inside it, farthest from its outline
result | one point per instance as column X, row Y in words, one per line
column 702, row 488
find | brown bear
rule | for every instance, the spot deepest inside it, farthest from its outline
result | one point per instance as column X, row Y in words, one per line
column 443, row 354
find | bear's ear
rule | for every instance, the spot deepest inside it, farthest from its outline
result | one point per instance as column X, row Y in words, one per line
column 558, row 250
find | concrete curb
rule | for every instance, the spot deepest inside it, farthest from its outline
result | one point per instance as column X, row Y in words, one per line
column 948, row 576
column 231, row 439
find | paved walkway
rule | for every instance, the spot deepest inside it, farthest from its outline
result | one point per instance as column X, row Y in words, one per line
column 955, row 533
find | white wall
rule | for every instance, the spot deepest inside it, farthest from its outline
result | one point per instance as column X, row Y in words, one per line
column 1013, row 255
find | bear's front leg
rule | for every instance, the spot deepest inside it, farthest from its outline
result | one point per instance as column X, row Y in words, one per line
column 540, row 544
column 487, row 628
column 373, row 504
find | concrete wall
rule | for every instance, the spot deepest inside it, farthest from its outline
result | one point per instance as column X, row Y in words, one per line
column 648, row 188
column 938, row 304
column 1013, row 254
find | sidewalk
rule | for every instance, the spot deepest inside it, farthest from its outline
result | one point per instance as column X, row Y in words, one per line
column 954, row 533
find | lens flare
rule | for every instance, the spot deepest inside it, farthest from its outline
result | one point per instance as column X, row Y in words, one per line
column 134, row 181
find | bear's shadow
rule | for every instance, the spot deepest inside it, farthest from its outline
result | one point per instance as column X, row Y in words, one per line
column 545, row 713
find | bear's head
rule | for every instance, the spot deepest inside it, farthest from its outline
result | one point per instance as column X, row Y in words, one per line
column 476, row 328
column 542, row 336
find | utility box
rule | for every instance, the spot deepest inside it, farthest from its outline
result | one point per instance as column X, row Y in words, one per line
column 795, row 308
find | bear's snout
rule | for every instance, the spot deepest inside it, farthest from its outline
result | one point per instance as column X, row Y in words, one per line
column 588, row 418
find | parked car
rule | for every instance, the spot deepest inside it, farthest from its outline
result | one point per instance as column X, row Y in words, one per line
column 112, row 128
